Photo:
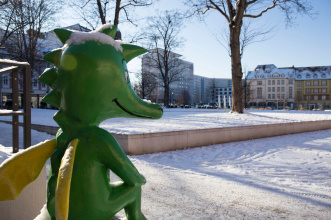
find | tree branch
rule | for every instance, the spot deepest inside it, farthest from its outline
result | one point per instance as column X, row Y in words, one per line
column 221, row 11
column 262, row 12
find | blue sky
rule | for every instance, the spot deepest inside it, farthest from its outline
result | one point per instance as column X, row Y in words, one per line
column 307, row 43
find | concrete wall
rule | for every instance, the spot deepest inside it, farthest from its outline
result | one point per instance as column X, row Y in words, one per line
column 167, row 141
column 29, row 203
column 135, row 144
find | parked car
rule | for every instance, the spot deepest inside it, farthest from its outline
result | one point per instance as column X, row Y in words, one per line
column 9, row 104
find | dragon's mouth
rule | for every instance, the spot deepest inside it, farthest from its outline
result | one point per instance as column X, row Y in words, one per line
column 127, row 111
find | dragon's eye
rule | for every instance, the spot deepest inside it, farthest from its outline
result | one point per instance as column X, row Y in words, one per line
column 126, row 71
column 127, row 76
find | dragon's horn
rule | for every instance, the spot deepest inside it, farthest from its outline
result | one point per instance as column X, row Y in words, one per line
column 62, row 34
column 110, row 31
column 130, row 51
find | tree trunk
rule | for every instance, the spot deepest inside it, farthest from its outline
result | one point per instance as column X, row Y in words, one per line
column 166, row 95
column 237, row 95
column 101, row 12
column 117, row 11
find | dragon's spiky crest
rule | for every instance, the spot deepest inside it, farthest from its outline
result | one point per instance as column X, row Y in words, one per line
column 53, row 57
column 48, row 77
column 53, row 98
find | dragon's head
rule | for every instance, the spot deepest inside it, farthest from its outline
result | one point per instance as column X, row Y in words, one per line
column 90, row 79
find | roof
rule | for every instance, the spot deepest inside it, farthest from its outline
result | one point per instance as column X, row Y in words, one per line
column 298, row 73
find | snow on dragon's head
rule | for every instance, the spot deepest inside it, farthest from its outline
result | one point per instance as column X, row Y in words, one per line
column 90, row 79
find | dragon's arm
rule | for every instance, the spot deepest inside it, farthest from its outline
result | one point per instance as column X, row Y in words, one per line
column 112, row 155
column 23, row 168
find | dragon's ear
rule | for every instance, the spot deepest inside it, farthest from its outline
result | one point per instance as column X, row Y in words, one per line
column 110, row 31
column 62, row 34
column 130, row 51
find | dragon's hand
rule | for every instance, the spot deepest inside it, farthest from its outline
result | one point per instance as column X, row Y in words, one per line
column 23, row 168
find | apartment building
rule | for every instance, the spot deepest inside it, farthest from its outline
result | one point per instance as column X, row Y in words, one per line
column 270, row 86
column 289, row 87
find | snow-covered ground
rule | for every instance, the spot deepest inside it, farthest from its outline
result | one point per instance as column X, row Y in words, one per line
column 286, row 177
column 186, row 119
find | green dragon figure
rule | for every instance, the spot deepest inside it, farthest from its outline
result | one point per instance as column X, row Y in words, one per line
column 90, row 84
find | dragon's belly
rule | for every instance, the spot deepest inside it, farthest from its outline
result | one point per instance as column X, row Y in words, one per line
column 90, row 189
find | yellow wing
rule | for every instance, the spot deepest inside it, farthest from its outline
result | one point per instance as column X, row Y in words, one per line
column 62, row 191
column 23, row 168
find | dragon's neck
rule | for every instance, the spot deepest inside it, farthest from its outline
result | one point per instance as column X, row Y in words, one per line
column 70, row 126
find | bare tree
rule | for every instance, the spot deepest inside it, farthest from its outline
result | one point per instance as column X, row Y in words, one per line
column 212, row 89
column 146, row 85
column 234, row 12
column 94, row 12
column 162, row 61
column 9, row 12
column 30, row 17
column 184, row 97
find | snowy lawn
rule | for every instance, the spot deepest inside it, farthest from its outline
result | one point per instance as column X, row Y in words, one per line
column 286, row 177
column 187, row 119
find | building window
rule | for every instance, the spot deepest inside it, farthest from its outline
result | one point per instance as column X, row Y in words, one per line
column 43, row 85
column 278, row 96
column 315, row 90
column 273, row 89
column 269, row 82
column 259, row 82
column 259, row 93
column 323, row 90
column 315, row 97
column 283, row 96
column 308, row 83
column 5, row 80
column 308, row 76
column 262, row 76
column 35, row 83
column 256, row 76
column 283, row 82
column 269, row 96
column 323, row 75
column 315, row 83
column 299, row 76
column 273, row 82
column 323, row 83
column 283, row 89
column 299, row 90
column 307, row 90
column 308, row 97
column 290, row 90
column 269, row 89
column 278, row 82
column 315, row 76
column 290, row 96
column 299, row 83
column 273, row 96
column 323, row 97
column 257, row 70
column 290, row 82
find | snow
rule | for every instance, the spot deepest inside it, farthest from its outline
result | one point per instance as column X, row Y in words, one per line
column 187, row 119
column 13, row 62
column 77, row 38
column 103, row 27
column 285, row 177
column 44, row 215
